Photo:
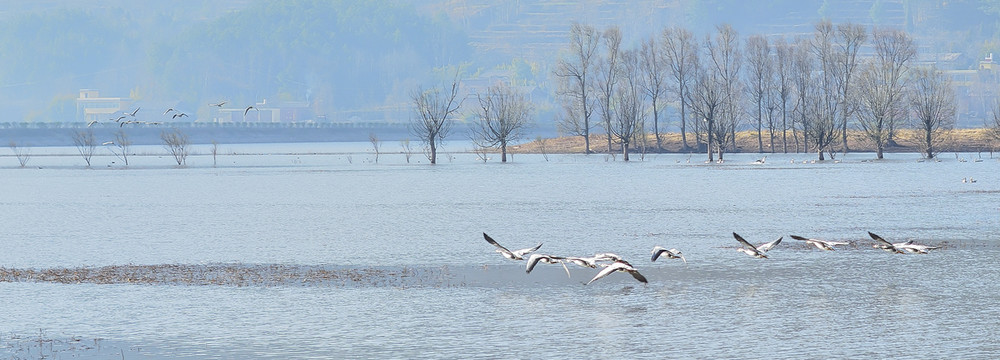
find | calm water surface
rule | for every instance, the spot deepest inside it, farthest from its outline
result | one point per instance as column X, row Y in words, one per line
column 331, row 205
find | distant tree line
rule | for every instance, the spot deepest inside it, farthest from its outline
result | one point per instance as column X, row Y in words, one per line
column 799, row 95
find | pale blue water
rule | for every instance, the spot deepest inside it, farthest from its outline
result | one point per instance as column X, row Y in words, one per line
column 325, row 204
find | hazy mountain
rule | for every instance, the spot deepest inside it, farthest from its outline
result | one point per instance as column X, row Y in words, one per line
column 359, row 59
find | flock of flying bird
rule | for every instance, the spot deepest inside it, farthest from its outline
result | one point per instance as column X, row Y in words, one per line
column 611, row 263
column 125, row 119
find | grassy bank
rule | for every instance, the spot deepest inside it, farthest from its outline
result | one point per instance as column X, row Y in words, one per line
column 907, row 140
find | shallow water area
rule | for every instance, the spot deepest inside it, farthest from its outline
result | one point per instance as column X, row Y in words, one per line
column 439, row 290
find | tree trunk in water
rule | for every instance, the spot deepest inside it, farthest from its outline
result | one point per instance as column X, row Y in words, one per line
column 930, row 146
column 878, row 152
column 625, row 151
column 503, row 152
column 586, row 144
column 709, row 147
column 433, row 151
column 821, row 158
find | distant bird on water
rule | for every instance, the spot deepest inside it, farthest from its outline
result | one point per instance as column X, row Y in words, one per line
column 821, row 244
column 619, row 265
column 659, row 251
column 755, row 251
column 512, row 255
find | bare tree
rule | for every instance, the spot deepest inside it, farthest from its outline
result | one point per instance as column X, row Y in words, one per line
column 215, row 152
column 932, row 102
column 22, row 153
column 607, row 78
column 407, row 149
column 501, row 117
column 784, row 84
column 724, row 59
column 759, row 69
column 850, row 38
column 823, row 125
column 802, row 75
column 120, row 146
column 543, row 147
column 629, row 114
column 577, row 71
column 176, row 142
column 376, row 144
column 681, row 52
column 435, row 109
column 995, row 125
column 86, row 144
column 654, row 82
column 707, row 101
column 882, row 85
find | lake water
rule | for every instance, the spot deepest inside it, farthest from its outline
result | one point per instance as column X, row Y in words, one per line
column 330, row 206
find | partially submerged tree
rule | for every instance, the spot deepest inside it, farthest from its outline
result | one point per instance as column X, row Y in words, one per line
column 376, row 144
column 607, row 79
column 501, row 117
column 759, row 70
column 881, row 91
column 576, row 71
column 86, row 143
column 120, row 146
column 628, row 115
column 22, row 153
column 434, row 110
column 783, row 85
column 176, row 142
column 680, row 51
column 407, row 149
column 654, row 81
column 850, row 38
column 932, row 103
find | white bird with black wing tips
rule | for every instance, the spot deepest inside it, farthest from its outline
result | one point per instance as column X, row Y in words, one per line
column 512, row 255
column 821, row 244
column 619, row 265
column 659, row 251
column 881, row 243
column 755, row 251
column 548, row 259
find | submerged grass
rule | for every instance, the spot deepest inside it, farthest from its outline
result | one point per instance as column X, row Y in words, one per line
column 232, row 275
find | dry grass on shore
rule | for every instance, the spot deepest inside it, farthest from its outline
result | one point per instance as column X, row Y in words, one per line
column 908, row 140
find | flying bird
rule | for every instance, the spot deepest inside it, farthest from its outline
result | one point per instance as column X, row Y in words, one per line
column 132, row 114
column 512, row 255
column 548, row 259
column 821, row 244
column 168, row 111
column 179, row 114
column 881, row 243
column 755, row 251
column 91, row 123
column 120, row 118
column 248, row 110
column 619, row 265
column 668, row 253
column 219, row 104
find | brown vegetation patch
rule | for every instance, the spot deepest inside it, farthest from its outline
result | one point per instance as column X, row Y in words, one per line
column 907, row 140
